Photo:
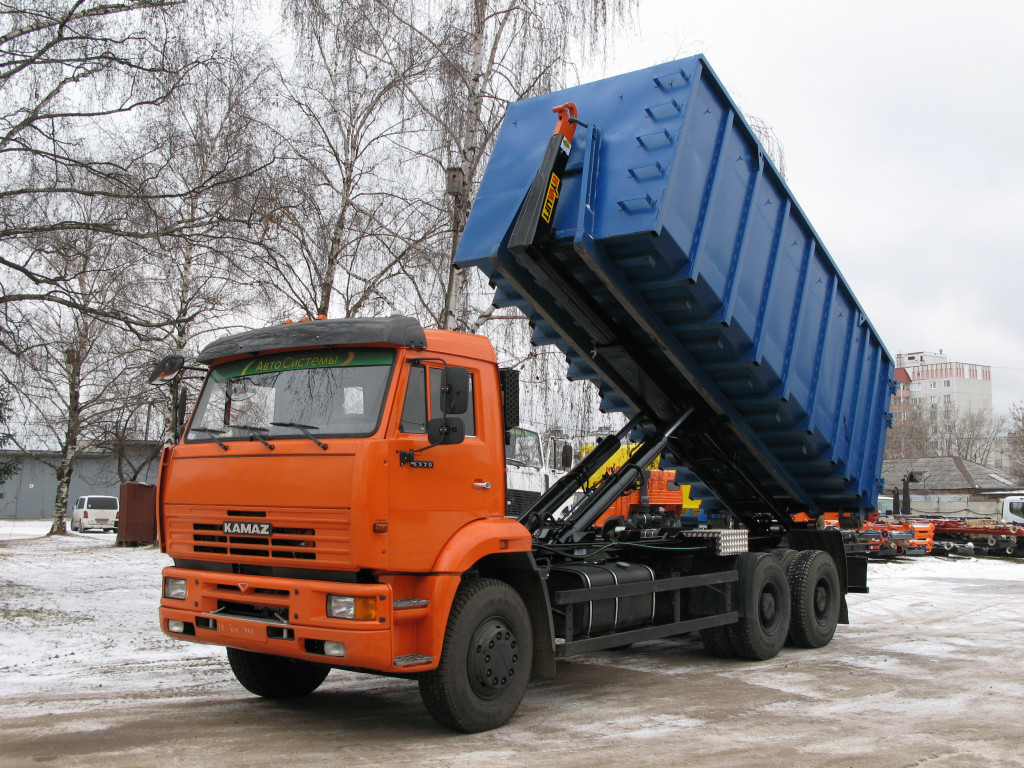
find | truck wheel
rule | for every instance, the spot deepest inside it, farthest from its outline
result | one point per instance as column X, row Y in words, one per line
column 785, row 557
column 276, row 677
column 486, row 659
column 764, row 596
column 815, row 591
column 717, row 642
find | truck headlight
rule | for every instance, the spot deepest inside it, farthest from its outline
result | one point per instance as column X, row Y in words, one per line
column 357, row 608
column 175, row 589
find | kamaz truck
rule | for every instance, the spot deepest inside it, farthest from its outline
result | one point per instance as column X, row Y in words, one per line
column 336, row 498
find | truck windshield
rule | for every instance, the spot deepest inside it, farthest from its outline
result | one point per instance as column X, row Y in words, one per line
column 320, row 393
column 523, row 448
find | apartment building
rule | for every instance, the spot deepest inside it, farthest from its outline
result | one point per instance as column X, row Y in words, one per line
column 929, row 381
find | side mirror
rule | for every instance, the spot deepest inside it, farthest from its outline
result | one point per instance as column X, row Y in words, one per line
column 566, row 456
column 445, row 431
column 454, row 390
column 164, row 371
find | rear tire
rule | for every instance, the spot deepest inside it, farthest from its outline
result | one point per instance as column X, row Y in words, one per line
column 486, row 659
column 763, row 626
column 785, row 557
column 276, row 677
column 817, row 598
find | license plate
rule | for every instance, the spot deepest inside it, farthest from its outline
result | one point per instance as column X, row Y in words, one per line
column 242, row 630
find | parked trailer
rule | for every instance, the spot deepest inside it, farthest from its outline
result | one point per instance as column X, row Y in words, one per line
column 337, row 497
column 998, row 535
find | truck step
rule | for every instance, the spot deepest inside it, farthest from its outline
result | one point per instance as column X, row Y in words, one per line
column 412, row 660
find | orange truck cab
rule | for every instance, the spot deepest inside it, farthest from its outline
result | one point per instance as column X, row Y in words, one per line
column 325, row 501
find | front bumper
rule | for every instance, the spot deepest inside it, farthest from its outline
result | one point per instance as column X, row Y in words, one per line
column 287, row 617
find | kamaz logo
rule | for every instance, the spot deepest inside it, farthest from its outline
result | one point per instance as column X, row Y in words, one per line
column 248, row 529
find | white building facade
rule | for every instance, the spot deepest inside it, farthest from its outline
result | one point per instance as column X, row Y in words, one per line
column 931, row 381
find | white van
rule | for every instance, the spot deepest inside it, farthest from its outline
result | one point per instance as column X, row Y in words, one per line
column 95, row 512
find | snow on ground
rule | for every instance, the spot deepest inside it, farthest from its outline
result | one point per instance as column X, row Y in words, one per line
column 79, row 610
column 23, row 529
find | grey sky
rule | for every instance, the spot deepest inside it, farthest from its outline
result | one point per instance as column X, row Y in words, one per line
column 900, row 122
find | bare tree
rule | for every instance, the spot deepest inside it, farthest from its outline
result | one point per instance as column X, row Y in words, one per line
column 68, row 69
column 910, row 437
column 9, row 467
column 483, row 54
column 62, row 361
column 78, row 79
column 208, row 157
column 969, row 435
column 771, row 143
column 1016, row 440
column 354, row 209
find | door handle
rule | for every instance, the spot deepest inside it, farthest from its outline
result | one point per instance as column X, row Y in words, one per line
column 484, row 486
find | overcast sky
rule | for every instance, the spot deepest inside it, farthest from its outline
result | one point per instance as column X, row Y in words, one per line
column 901, row 123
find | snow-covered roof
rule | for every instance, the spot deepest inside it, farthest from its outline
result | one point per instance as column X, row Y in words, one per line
column 945, row 473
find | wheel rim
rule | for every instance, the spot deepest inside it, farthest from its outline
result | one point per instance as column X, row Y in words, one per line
column 493, row 658
column 822, row 601
column 768, row 607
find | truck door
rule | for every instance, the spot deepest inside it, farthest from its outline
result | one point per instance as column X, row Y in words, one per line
column 447, row 486
column 1013, row 510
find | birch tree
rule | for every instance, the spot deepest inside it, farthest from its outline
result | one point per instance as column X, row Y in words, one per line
column 484, row 53
column 354, row 209
column 72, row 71
column 1016, row 440
column 78, row 79
column 10, row 466
column 209, row 155
column 62, row 360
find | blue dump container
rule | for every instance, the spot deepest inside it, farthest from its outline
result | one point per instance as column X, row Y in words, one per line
column 681, row 272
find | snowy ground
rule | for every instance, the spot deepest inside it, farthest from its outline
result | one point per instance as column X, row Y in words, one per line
column 930, row 672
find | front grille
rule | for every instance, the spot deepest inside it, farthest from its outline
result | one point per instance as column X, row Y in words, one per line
column 517, row 502
column 299, row 536
column 289, row 543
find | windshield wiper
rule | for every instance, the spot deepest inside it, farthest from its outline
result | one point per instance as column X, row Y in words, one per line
column 213, row 434
column 255, row 433
column 304, row 428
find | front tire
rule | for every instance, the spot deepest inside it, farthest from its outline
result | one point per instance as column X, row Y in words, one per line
column 763, row 626
column 276, row 677
column 486, row 659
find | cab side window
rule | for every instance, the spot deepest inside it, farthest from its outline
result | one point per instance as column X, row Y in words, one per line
column 414, row 410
